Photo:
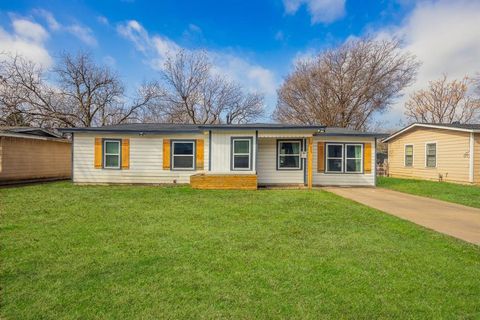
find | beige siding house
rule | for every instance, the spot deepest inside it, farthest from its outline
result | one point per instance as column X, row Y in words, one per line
column 223, row 156
column 31, row 154
column 440, row 152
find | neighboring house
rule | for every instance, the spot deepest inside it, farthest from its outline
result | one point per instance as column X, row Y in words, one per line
column 223, row 156
column 31, row 154
column 445, row 152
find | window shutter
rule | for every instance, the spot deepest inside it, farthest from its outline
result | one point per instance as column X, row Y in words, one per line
column 367, row 158
column 166, row 153
column 125, row 153
column 200, row 155
column 98, row 153
column 320, row 156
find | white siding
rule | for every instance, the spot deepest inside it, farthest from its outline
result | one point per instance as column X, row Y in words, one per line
column 342, row 179
column 267, row 172
column 146, row 160
column 222, row 150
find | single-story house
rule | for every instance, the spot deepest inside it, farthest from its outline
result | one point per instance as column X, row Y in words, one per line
column 441, row 152
column 223, row 156
column 33, row 154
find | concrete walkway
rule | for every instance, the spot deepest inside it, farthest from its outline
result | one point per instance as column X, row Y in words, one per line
column 453, row 219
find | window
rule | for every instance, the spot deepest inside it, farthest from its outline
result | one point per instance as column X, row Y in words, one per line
column 408, row 155
column 431, row 155
column 241, row 153
column 334, row 157
column 353, row 158
column 183, row 155
column 289, row 155
column 344, row 158
column 111, row 154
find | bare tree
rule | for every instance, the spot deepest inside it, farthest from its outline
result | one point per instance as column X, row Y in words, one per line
column 195, row 94
column 444, row 102
column 77, row 92
column 347, row 85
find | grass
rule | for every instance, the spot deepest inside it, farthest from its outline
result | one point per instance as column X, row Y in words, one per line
column 457, row 193
column 119, row 252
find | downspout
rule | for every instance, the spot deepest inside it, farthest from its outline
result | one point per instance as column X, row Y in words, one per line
column 209, row 150
column 471, row 162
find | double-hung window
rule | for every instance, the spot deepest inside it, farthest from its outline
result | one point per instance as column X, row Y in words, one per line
column 344, row 158
column 183, row 155
column 334, row 157
column 353, row 158
column 111, row 154
column 431, row 155
column 408, row 155
column 288, row 157
column 242, row 153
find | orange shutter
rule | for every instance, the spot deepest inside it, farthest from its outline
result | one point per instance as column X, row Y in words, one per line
column 200, row 154
column 367, row 158
column 320, row 156
column 125, row 153
column 98, row 153
column 166, row 154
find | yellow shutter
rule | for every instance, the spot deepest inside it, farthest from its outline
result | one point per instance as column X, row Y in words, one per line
column 125, row 153
column 98, row 153
column 166, row 154
column 200, row 154
column 320, row 156
column 367, row 158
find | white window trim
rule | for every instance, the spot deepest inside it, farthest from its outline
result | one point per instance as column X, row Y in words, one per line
column 279, row 142
column 346, row 157
column 249, row 154
column 327, row 157
column 183, row 155
column 405, row 154
column 436, row 154
column 105, row 154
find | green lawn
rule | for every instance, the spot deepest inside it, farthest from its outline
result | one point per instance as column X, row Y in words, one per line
column 104, row 252
column 458, row 193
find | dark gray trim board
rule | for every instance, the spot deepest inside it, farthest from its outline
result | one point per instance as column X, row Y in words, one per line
column 72, row 155
column 169, row 128
column 210, row 150
column 256, row 150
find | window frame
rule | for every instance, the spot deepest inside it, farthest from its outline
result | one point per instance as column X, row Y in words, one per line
column 300, row 162
column 342, row 158
column 436, row 154
column 233, row 154
column 104, row 153
column 172, row 154
column 345, row 156
column 405, row 155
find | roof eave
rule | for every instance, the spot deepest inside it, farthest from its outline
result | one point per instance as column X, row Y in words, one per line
column 425, row 125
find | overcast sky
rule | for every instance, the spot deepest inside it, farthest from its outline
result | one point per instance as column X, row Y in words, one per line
column 251, row 41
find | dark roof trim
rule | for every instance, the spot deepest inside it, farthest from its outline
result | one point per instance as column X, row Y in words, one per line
column 111, row 130
column 352, row 134
column 191, row 129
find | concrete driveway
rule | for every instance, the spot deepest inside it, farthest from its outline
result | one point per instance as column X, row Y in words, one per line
column 453, row 219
